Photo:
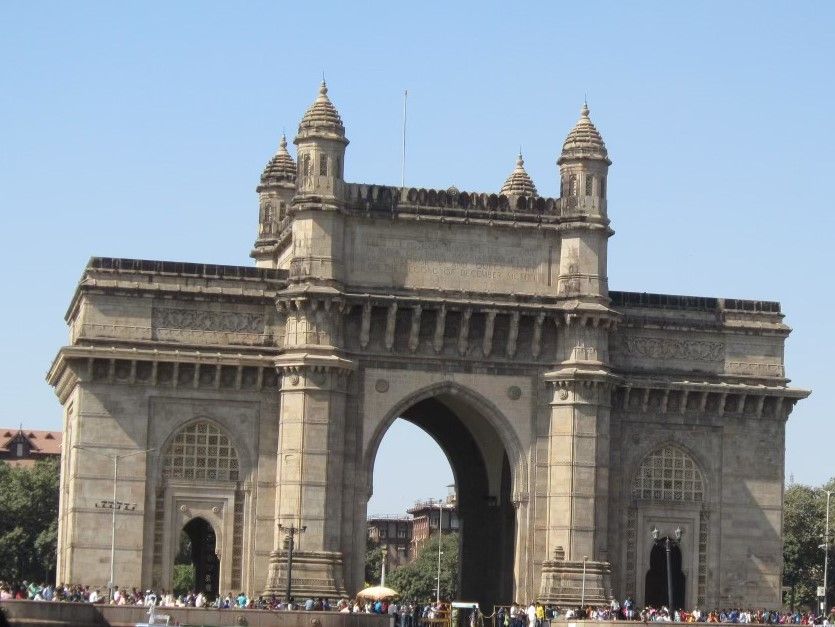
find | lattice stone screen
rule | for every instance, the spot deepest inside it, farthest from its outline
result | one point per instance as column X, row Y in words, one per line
column 201, row 451
column 668, row 474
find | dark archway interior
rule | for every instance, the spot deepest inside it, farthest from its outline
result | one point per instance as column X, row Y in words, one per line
column 203, row 556
column 486, row 515
column 655, row 593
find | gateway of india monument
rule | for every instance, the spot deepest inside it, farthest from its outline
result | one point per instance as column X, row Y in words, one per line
column 587, row 429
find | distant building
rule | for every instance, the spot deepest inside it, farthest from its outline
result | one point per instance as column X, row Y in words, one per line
column 425, row 516
column 395, row 533
column 24, row 448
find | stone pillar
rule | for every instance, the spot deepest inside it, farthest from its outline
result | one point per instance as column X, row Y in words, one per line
column 310, row 452
column 578, row 487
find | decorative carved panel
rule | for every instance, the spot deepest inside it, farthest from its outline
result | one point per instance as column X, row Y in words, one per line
column 672, row 348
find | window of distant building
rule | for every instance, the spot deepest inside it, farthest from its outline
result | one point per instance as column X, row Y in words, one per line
column 323, row 165
column 19, row 451
column 589, row 184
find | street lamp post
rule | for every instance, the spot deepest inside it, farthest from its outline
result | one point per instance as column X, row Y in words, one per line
column 826, row 553
column 440, row 535
column 385, row 551
column 114, row 505
column 292, row 530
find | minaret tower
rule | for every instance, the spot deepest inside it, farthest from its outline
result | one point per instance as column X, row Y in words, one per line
column 321, row 146
column 276, row 190
column 584, row 166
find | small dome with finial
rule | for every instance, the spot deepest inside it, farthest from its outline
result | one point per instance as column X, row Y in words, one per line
column 519, row 183
column 584, row 141
column 322, row 117
column 281, row 167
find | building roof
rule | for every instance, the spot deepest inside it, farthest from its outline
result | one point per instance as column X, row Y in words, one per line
column 584, row 141
column 322, row 119
column 281, row 167
column 42, row 445
column 519, row 183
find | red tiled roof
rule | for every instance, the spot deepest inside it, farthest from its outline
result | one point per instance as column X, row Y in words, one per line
column 41, row 442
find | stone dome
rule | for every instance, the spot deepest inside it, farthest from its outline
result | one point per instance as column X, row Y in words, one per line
column 519, row 183
column 281, row 167
column 322, row 118
column 584, row 141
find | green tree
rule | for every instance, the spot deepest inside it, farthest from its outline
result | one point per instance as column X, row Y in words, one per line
column 804, row 511
column 373, row 562
column 28, row 521
column 417, row 580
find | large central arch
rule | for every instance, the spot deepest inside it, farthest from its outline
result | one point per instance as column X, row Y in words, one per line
column 484, row 455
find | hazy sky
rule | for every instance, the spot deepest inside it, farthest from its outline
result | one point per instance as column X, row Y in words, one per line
column 140, row 130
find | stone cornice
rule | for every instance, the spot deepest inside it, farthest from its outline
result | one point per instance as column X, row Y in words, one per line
column 705, row 398
column 174, row 368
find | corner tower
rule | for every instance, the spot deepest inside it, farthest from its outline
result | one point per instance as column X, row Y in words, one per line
column 321, row 146
column 581, row 382
column 584, row 166
column 275, row 192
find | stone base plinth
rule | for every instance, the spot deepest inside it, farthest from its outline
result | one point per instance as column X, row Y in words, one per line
column 563, row 583
column 315, row 574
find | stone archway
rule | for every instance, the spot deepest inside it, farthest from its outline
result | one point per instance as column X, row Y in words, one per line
column 657, row 580
column 482, row 469
column 204, row 556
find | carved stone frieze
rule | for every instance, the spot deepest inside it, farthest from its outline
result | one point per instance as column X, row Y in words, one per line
column 204, row 320
column 672, row 348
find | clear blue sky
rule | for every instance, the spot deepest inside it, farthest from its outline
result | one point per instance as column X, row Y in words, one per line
column 140, row 130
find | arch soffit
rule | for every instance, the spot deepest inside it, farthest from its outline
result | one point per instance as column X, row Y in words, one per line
column 488, row 410
column 657, row 445
column 244, row 463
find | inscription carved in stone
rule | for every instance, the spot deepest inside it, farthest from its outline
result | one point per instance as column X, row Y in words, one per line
column 670, row 348
column 201, row 320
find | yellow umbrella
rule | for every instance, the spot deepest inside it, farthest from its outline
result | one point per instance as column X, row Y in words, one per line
column 377, row 593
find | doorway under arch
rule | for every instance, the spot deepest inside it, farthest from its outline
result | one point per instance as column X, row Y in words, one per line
column 482, row 471
column 655, row 592
column 204, row 556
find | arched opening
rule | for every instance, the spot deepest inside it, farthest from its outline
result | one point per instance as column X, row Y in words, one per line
column 656, row 586
column 204, row 561
column 482, row 471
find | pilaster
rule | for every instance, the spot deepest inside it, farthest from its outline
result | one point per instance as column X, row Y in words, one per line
column 578, row 486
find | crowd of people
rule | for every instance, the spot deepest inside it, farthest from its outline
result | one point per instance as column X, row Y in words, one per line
column 410, row 614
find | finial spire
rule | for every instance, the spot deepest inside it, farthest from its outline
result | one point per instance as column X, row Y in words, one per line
column 585, row 110
column 282, row 145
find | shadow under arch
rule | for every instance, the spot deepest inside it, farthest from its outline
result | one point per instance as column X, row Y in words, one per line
column 204, row 555
column 483, row 452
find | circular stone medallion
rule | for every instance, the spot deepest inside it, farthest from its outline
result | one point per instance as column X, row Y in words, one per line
column 514, row 393
column 563, row 394
column 381, row 386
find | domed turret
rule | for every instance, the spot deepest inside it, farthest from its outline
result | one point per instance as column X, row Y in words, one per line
column 275, row 192
column 281, row 168
column 584, row 165
column 584, row 141
column 322, row 118
column 321, row 145
column 519, row 183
